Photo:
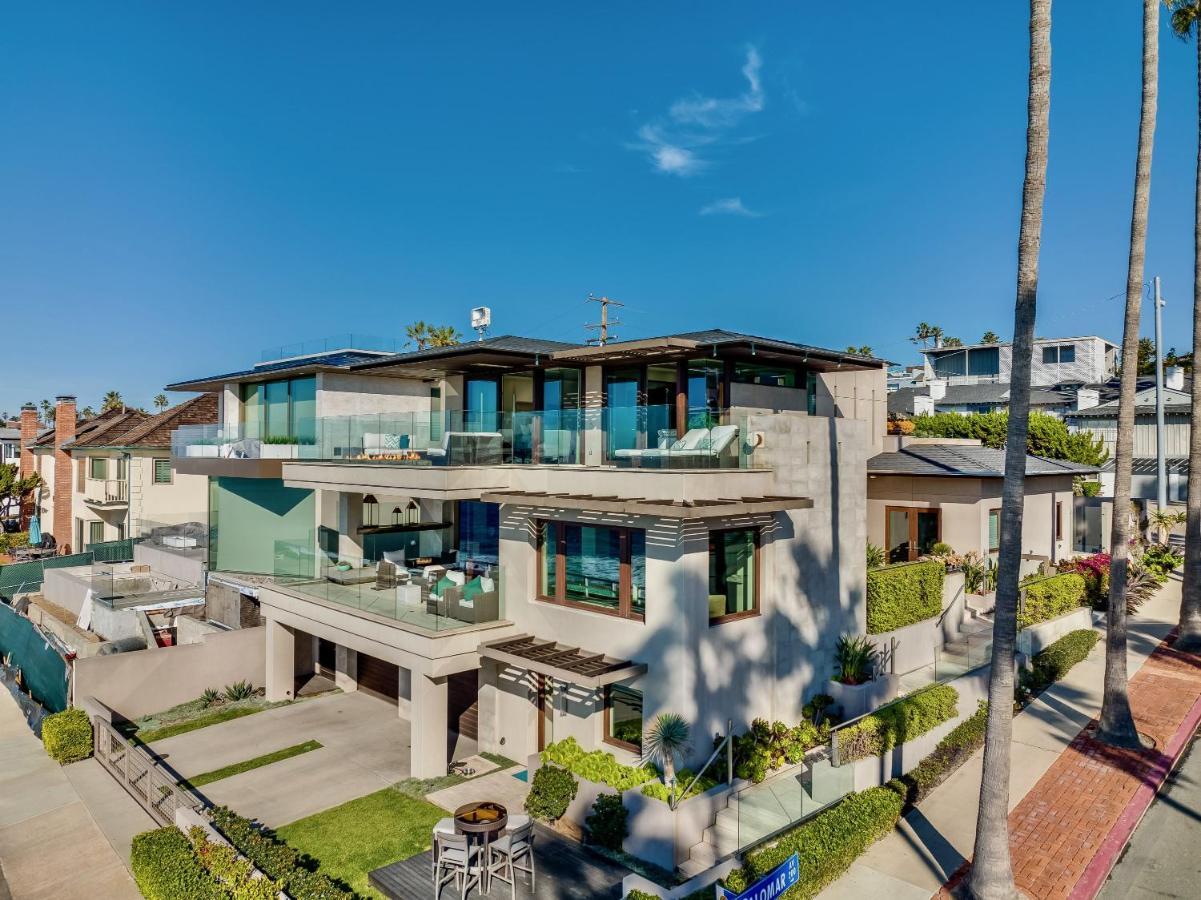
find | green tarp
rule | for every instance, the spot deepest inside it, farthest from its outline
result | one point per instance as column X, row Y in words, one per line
column 44, row 672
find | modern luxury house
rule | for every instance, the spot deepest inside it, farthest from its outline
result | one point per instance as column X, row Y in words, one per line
column 928, row 490
column 515, row 540
column 112, row 477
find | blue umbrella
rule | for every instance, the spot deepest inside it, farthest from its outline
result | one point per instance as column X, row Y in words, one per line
column 35, row 531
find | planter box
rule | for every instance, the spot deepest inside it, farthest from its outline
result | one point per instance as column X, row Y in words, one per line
column 203, row 450
column 279, row 451
column 1036, row 638
column 857, row 699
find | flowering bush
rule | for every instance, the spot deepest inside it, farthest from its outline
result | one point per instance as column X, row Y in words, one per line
column 1095, row 570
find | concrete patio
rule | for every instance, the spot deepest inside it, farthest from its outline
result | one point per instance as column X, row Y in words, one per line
column 365, row 747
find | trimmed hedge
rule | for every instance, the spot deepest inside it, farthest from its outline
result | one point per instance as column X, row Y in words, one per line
column 597, row 765
column 1056, row 661
column 275, row 859
column 607, row 824
column 903, row 594
column 551, row 792
column 827, row 844
column 1051, row 597
column 902, row 721
column 166, row 867
column 961, row 742
column 67, row 736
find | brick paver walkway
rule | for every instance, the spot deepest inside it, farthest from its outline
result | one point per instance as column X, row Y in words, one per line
column 1067, row 832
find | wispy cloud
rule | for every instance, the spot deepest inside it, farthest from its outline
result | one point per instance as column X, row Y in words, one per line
column 729, row 206
column 674, row 142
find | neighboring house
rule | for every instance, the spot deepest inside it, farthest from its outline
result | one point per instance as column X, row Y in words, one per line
column 10, row 446
column 112, row 477
column 967, row 399
column 931, row 490
column 514, row 541
column 1072, row 360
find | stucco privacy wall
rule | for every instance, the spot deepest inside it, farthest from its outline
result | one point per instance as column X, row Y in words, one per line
column 147, row 681
column 860, row 394
column 340, row 394
column 187, row 566
column 765, row 665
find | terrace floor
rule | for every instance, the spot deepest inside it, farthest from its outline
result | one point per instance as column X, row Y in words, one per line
column 385, row 602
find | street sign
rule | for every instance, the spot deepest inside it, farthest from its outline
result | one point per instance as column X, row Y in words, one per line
column 770, row 886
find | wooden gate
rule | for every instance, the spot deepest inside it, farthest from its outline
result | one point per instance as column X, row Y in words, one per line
column 136, row 771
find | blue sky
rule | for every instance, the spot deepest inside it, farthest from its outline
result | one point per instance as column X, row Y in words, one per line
column 181, row 187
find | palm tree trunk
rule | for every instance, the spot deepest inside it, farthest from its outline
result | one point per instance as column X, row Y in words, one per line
column 991, row 877
column 1190, row 602
column 1117, row 723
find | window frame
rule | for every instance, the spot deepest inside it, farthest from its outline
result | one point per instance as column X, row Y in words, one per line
column 1059, row 529
column 756, row 609
column 625, row 585
column 91, row 532
column 607, row 736
column 912, row 513
column 154, row 464
column 995, row 511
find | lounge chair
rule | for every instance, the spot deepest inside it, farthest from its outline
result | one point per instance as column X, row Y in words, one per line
column 700, row 447
column 467, row 448
column 384, row 443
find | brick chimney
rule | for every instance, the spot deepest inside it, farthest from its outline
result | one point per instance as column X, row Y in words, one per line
column 29, row 431
column 64, row 432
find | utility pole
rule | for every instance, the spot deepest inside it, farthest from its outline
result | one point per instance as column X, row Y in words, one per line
column 1161, row 472
column 602, row 327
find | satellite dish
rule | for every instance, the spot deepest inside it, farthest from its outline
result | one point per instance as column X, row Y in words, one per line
column 481, row 318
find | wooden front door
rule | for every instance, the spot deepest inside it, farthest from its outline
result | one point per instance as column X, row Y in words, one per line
column 910, row 532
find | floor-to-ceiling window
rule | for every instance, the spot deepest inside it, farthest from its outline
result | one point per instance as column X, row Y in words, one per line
column 623, row 398
column 705, row 379
column 594, row 567
column 479, row 533
column 481, row 401
column 561, row 419
column 257, row 525
column 733, row 573
column 285, row 408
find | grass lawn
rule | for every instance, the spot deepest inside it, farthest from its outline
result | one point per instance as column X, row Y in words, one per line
column 190, row 716
column 265, row 760
column 353, row 839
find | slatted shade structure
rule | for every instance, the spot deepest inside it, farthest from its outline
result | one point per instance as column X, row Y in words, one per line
column 665, row 508
column 560, row 661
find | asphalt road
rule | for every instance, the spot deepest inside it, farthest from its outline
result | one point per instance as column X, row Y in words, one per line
column 1164, row 856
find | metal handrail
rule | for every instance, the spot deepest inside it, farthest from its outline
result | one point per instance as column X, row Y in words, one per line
column 726, row 744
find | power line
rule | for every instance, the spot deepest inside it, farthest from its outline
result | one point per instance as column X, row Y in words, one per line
column 602, row 327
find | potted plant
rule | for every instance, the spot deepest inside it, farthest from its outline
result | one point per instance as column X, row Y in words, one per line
column 857, row 685
column 280, row 446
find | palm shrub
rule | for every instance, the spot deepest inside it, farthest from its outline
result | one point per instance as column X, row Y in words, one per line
column 876, row 558
column 667, row 738
column 551, row 792
column 1162, row 521
column 1141, row 586
column 971, row 564
column 67, row 735
column 607, row 822
column 855, row 660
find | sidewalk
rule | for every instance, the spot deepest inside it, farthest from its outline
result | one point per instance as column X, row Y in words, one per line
column 50, row 845
column 932, row 843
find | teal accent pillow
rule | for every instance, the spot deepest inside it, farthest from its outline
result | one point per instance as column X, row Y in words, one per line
column 440, row 588
column 472, row 589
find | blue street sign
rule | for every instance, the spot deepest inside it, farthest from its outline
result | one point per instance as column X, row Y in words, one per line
column 770, row 886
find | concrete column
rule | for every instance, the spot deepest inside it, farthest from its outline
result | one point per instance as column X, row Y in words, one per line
column 346, row 669
column 428, row 728
column 281, row 662
column 594, row 435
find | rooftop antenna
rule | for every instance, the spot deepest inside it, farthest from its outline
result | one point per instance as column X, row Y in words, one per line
column 481, row 318
column 602, row 327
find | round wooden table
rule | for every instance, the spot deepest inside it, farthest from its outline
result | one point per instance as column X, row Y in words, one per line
column 484, row 821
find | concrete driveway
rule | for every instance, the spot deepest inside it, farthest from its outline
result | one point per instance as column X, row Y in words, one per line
column 365, row 747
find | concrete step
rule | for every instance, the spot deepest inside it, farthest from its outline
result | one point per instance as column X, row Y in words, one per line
column 690, row 868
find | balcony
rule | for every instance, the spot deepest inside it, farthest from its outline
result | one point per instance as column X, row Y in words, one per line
column 624, row 437
column 106, row 491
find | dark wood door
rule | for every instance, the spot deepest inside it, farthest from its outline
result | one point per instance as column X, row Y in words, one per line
column 463, row 693
column 379, row 677
column 327, row 657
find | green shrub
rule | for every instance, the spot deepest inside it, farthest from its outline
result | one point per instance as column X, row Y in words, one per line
column 659, row 791
column 961, row 742
column 276, row 859
column 551, row 792
column 1053, row 663
column 1161, row 560
column 597, row 765
column 902, row 721
column 10, row 542
column 607, row 823
column 827, row 844
column 239, row 690
column 1051, row 597
column 643, row 895
column 770, row 745
column 166, row 867
column 67, row 735
column 903, row 594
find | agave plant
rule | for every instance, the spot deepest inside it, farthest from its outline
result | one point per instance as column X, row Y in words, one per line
column 210, row 697
column 666, row 739
column 239, row 690
column 855, row 660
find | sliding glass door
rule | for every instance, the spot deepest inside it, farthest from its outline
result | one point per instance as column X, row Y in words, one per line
column 910, row 532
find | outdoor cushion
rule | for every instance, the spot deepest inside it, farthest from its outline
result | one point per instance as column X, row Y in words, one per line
column 487, row 585
column 472, row 589
column 692, row 440
column 440, row 588
column 396, row 557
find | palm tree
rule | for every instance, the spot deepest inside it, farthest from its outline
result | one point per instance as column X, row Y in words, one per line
column 923, row 334
column 111, row 400
column 990, row 337
column 87, row 413
column 936, row 335
column 1162, row 521
column 160, row 402
column 444, row 336
column 418, row 333
column 952, row 342
column 1117, row 722
column 47, row 412
column 991, row 876
column 1186, row 19
column 666, row 739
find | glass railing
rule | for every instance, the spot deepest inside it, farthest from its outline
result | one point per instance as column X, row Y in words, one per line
column 335, row 342
column 186, row 532
column 633, row 437
column 436, row 596
column 130, row 585
column 792, row 796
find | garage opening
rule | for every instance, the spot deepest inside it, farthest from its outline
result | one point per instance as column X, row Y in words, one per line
column 379, row 677
column 327, row 657
column 463, row 713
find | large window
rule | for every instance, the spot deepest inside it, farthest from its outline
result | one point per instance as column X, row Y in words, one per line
column 1059, row 353
column 95, row 532
column 286, row 408
column 733, row 574
column 994, row 530
column 623, row 717
column 756, row 373
column 911, row 532
column 593, row 567
column 479, row 532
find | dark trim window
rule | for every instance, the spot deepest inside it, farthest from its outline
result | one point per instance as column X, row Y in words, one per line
column 1059, row 353
column 994, row 530
column 910, row 531
column 595, row 567
column 733, row 574
column 162, row 470
column 1059, row 520
column 758, row 373
column 623, row 717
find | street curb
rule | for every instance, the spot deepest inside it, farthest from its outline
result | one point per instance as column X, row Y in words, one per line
column 1111, row 848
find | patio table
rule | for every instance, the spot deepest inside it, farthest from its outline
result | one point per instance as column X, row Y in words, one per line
column 484, row 821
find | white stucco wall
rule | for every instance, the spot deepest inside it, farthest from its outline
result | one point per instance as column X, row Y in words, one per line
column 340, row 394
